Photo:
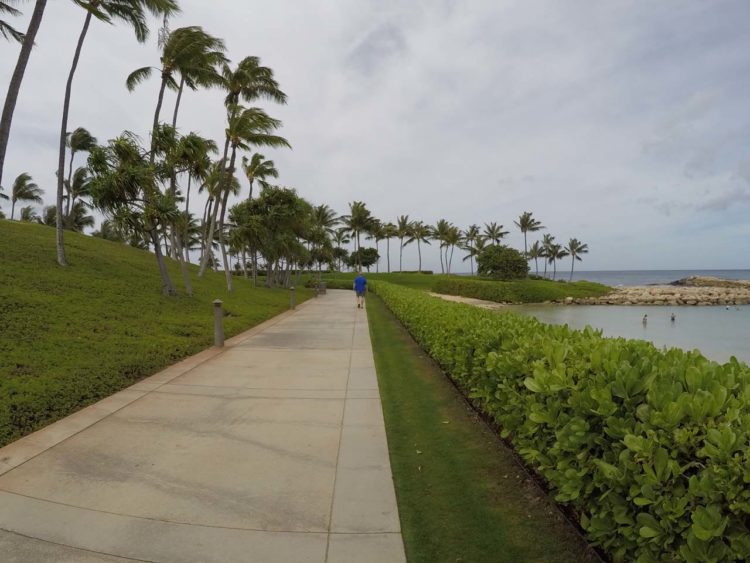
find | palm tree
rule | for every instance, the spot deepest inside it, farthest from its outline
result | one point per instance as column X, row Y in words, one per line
column 548, row 241
column 420, row 233
column 79, row 218
column 2, row 195
column 535, row 252
column 24, row 189
column 133, row 13
column 452, row 238
column 357, row 222
column 555, row 253
column 494, row 232
column 575, row 248
column 14, row 87
column 376, row 231
column 247, row 128
column 78, row 188
column 7, row 30
column 402, row 231
column 470, row 239
column 194, row 55
column 341, row 236
column 527, row 224
column 29, row 214
column 79, row 140
column 109, row 230
column 439, row 232
column 258, row 168
column 389, row 232
column 475, row 249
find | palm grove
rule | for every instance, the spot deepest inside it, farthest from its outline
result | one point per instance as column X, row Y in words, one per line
column 144, row 189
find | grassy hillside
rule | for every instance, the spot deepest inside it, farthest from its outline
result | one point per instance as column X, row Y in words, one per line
column 70, row 336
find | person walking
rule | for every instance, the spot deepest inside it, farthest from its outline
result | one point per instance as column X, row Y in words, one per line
column 360, row 288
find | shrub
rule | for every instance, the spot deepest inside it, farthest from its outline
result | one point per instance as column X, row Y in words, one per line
column 522, row 291
column 502, row 262
column 649, row 447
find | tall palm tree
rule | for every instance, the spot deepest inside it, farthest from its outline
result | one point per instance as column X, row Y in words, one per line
column 79, row 187
column 389, row 232
column 575, row 248
column 535, row 252
column 376, row 231
column 475, row 249
column 79, row 218
column 14, row 87
column 258, row 168
column 440, row 232
column 548, row 241
column 419, row 233
column 470, row 239
column 131, row 12
column 7, row 30
column 341, row 236
column 527, row 224
column 325, row 218
column 246, row 128
column 494, row 232
column 194, row 55
column 24, row 189
column 403, row 226
column 554, row 253
column 357, row 222
column 452, row 238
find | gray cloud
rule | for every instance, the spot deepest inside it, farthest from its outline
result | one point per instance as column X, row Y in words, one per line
column 470, row 111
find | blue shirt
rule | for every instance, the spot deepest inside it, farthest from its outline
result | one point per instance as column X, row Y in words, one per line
column 360, row 283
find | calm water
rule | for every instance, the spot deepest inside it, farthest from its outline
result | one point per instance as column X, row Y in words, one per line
column 647, row 277
column 717, row 332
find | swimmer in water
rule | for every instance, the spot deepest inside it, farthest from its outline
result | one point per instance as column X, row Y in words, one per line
column 672, row 318
column 645, row 319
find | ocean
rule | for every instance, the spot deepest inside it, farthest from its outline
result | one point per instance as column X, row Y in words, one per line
column 649, row 277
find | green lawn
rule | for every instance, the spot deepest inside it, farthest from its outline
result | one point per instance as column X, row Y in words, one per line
column 70, row 336
column 461, row 495
column 521, row 291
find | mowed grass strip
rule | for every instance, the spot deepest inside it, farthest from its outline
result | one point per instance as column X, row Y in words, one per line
column 71, row 336
column 461, row 494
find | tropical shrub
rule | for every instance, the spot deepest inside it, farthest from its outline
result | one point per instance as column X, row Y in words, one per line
column 650, row 448
column 502, row 262
column 521, row 291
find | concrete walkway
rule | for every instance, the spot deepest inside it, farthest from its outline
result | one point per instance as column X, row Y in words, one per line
column 273, row 449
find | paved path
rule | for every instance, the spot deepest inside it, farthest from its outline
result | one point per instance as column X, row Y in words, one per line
column 271, row 450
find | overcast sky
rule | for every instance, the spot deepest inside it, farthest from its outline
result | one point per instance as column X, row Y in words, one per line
column 622, row 123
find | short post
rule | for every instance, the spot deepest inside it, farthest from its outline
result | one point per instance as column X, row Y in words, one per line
column 218, row 324
column 292, row 298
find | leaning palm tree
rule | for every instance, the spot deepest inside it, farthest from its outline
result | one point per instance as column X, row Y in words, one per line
column 439, row 233
column 527, row 224
column 14, row 86
column 7, row 30
column 389, row 232
column 79, row 187
column 24, row 189
column 194, row 55
column 246, row 128
column 419, row 233
column 452, row 239
column 575, row 248
column 536, row 251
column 258, row 168
column 494, row 232
column 402, row 232
column 473, row 250
column 80, row 140
column 133, row 13
column 79, row 218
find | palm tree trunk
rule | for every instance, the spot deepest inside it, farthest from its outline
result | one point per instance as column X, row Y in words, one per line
column 388, row 253
column 177, row 102
column 251, row 190
column 12, row 208
column 400, row 255
column 187, row 220
column 155, row 125
column 525, row 250
column 450, row 262
column 419, row 251
column 183, row 267
column 167, row 287
column 572, row 264
column 228, row 273
column 68, row 195
column 60, row 243
column 536, row 265
column 14, row 87
column 255, row 268
column 377, row 264
column 212, row 226
column 554, row 272
column 442, row 269
column 545, row 268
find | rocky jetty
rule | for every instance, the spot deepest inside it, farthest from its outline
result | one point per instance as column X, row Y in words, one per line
column 695, row 290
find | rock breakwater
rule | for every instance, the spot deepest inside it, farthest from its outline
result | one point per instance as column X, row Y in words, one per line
column 695, row 290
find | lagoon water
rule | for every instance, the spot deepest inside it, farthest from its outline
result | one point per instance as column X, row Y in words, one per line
column 648, row 277
column 717, row 332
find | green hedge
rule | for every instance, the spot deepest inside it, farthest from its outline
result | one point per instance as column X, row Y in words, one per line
column 649, row 447
column 521, row 291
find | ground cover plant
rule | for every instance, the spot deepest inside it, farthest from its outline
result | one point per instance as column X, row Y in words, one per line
column 649, row 447
column 71, row 336
column 518, row 291
column 461, row 494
